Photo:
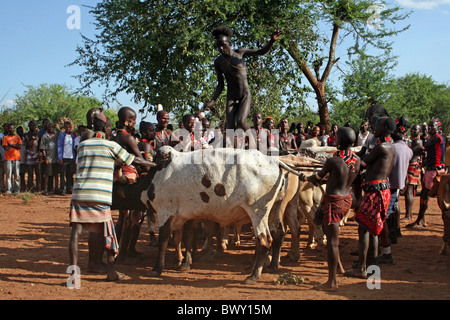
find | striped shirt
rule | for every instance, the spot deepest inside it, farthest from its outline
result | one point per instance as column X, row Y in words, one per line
column 95, row 170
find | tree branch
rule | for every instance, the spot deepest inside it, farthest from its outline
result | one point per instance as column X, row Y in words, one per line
column 332, row 53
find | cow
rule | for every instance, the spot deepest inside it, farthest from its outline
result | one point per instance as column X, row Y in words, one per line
column 222, row 185
column 441, row 190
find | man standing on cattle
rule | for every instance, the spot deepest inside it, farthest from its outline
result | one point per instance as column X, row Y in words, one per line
column 230, row 64
column 434, row 164
column 372, row 212
column 342, row 169
column 92, row 209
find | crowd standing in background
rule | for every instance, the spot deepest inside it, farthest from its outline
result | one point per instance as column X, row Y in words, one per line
column 44, row 160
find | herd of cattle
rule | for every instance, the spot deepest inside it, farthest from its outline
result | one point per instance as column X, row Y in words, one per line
column 230, row 187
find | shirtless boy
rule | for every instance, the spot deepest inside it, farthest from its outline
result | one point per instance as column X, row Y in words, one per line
column 342, row 169
column 372, row 212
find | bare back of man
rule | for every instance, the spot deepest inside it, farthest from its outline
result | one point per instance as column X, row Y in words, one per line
column 342, row 170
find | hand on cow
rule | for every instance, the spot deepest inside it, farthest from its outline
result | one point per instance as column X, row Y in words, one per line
column 144, row 163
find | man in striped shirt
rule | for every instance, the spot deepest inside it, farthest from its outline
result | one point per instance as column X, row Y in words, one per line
column 92, row 195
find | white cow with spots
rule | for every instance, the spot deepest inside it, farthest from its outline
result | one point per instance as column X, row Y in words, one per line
column 222, row 185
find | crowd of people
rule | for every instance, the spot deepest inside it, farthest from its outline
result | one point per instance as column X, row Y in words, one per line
column 389, row 163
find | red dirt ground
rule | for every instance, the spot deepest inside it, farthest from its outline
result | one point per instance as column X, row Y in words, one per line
column 34, row 237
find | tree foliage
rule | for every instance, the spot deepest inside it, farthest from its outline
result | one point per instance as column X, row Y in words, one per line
column 421, row 99
column 55, row 102
column 162, row 52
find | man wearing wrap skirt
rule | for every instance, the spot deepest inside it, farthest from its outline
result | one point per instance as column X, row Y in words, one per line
column 342, row 168
column 372, row 212
column 92, row 194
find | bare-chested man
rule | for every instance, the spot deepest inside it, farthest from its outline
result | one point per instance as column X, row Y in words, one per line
column 287, row 140
column 163, row 136
column 260, row 134
column 372, row 212
column 414, row 170
column 342, row 168
column 230, row 64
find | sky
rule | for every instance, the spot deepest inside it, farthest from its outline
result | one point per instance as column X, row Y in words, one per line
column 38, row 39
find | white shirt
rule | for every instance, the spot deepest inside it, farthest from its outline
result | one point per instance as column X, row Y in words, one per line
column 68, row 147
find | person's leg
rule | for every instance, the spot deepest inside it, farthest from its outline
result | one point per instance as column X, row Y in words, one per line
column 70, row 171
column 409, row 200
column 8, row 175
column 424, row 199
column 333, row 259
column 63, row 176
column 242, row 111
column 16, row 175
column 73, row 244
column 96, row 243
column 364, row 244
column 385, row 244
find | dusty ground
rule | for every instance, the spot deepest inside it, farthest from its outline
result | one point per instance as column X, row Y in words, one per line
column 34, row 238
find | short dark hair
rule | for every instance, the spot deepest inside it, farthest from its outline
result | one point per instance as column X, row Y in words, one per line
column 222, row 30
column 99, row 125
column 388, row 124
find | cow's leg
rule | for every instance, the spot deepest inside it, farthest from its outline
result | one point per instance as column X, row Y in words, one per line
column 188, row 231
column 278, row 238
column 163, row 240
column 224, row 231
column 295, row 227
column 237, row 234
column 263, row 243
column 177, row 238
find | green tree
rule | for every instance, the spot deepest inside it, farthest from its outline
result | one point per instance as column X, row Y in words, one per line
column 368, row 79
column 161, row 52
column 420, row 98
column 55, row 102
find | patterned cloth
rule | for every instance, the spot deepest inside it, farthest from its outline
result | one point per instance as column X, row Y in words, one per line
column 413, row 176
column 373, row 210
column 92, row 212
column 131, row 173
column 335, row 207
column 392, row 201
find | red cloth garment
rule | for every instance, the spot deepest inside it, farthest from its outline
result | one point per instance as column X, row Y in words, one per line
column 413, row 175
column 373, row 210
column 335, row 207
